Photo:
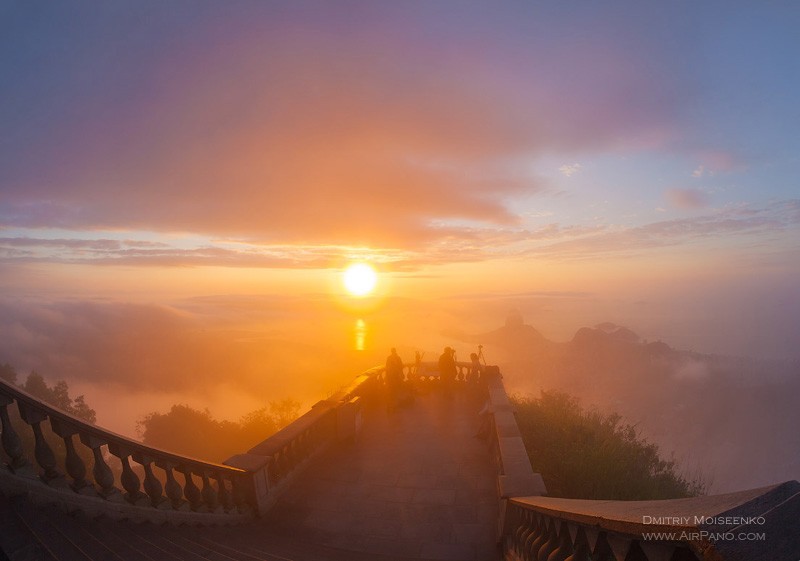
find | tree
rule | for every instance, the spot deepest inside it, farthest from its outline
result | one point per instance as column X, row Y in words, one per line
column 192, row 432
column 8, row 373
column 58, row 396
column 590, row 455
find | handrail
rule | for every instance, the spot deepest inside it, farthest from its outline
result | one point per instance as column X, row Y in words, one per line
column 754, row 524
column 85, row 427
column 757, row 524
column 225, row 493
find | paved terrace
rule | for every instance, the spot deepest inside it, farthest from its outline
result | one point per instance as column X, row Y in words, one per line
column 417, row 483
column 414, row 484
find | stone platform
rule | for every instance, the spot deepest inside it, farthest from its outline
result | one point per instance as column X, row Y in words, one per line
column 417, row 483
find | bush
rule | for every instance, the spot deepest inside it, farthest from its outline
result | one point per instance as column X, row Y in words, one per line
column 590, row 455
column 196, row 433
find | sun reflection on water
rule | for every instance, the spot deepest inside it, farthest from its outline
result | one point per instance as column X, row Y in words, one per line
column 361, row 334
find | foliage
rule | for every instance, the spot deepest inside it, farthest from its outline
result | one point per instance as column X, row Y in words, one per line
column 8, row 373
column 58, row 396
column 590, row 455
column 196, row 433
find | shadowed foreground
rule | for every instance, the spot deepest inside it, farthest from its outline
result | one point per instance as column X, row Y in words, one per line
column 416, row 483
column 352, row 480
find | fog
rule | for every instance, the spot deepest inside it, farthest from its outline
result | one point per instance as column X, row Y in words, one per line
column 728, row 418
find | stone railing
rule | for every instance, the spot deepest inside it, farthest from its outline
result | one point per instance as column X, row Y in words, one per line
column 754, row 525
column 425, row 371
column 276, row 462
column 148, row 484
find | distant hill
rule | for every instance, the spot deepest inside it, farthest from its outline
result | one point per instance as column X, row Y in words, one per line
column 733, row 418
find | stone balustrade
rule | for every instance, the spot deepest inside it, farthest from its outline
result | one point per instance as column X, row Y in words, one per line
column 426, row 371
column 156, row 485
column 277, row 461
column 753, row 525
column 758, row 524
column 149, row 484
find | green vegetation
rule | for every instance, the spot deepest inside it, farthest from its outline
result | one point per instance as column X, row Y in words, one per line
column 56, row 395
column 590, row 455
column 195, row 433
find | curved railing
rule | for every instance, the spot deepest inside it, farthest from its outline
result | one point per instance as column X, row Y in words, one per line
column 212, row 491
column 754, row 525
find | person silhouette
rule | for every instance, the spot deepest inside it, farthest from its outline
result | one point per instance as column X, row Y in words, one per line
column 447, row 370
column 475, row 369
column 394, row 378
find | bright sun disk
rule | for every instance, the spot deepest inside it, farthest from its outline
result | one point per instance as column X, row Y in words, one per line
column 360, row 279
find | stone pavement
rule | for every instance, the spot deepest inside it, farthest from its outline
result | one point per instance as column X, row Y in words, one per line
column 415, row 484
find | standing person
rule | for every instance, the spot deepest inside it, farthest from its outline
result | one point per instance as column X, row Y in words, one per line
column 447, row 369
column 417, row 365
column 475, row 369
column 394, row 378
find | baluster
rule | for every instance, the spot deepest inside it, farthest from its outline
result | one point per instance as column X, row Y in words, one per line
column 283, row 463
column 240, row 493
column 290, row 455
column 620, row 546
column 582, row 548
column 306, row 447
column 225, row 498
column 12, row 443
column 152, row 486
column 192, row 492
column 172, row 488
column 44, row 455
column 537, row 539
column 551, row 544
column 209, row 494
column 527, row 525
column 128, row 478
column 103, row 475
column 273, row 470
column 564, row 548
column 73, row 463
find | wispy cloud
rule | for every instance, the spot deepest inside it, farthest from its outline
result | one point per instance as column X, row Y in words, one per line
column 686, row 198
column 453, row 244
column 759, row 223
column 699, row 171
column 570, row 169
column 287, row 132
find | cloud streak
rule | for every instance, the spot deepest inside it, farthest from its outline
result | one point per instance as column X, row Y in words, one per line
column 761, row 224
column 290, row 133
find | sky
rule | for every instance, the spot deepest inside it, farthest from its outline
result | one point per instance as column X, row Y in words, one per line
column 210, row 166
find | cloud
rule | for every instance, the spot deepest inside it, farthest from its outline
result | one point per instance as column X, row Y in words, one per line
column 457, row 244
column 759, row 224
column 157, row 348
column 570, row 169
column 290, row 131
column 686, row 199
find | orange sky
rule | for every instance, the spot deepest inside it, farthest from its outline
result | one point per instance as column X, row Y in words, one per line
column 180, row 190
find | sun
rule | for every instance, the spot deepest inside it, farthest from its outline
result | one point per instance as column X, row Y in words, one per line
column 360, row 279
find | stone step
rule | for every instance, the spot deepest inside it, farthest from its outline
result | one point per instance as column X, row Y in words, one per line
column 17, row 542
column 43, row 533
